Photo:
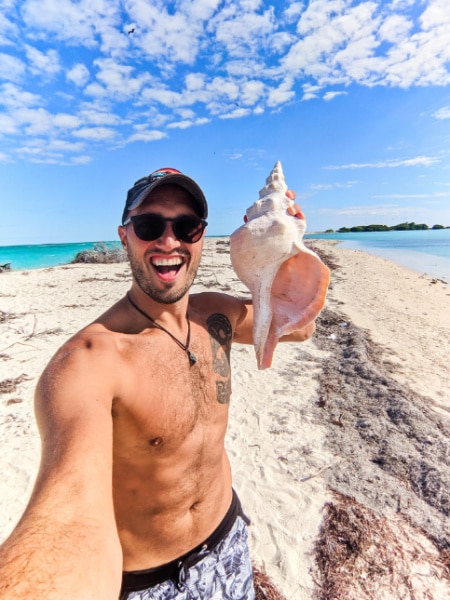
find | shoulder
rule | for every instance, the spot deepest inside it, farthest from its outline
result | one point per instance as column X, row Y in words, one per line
column 84, row 364
column 210, row 303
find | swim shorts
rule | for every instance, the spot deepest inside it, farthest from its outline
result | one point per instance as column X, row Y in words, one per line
column 218, row 569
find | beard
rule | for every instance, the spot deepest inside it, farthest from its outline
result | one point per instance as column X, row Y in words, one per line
column 170, row 295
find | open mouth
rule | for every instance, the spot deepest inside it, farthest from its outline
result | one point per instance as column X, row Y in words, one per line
column 167, row 267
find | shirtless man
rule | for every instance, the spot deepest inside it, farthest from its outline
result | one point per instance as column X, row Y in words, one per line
column 132, row 413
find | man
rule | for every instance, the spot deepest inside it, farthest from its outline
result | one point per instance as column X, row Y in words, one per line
column 132, row 412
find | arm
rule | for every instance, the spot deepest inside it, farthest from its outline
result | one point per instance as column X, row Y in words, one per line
column 66, row 543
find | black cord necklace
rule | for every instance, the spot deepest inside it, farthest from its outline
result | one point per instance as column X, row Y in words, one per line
column 185, row 347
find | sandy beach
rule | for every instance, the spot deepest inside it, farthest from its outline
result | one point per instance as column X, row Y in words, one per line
column 340, row 451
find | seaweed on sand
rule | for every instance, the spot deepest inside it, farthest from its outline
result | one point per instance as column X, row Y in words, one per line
column 363, row 555
column 264, row 588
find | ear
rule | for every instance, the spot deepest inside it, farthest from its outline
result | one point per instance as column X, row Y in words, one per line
column 122, row 231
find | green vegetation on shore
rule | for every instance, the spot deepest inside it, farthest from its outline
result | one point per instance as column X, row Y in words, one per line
column 400, row 227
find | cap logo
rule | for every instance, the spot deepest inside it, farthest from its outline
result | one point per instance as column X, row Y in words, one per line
column 161, row 173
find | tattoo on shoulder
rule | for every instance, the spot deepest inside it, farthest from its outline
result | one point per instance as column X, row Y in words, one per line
column 220, row 332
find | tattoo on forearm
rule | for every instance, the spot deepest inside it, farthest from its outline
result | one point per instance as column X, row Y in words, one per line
column 220, row 331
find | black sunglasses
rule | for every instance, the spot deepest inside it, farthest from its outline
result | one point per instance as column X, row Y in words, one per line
column 151, row 226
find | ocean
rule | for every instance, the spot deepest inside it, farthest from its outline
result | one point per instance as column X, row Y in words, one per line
column 41, row 256
column 425, row 251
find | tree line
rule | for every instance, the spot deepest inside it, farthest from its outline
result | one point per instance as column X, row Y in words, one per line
column 400, row 227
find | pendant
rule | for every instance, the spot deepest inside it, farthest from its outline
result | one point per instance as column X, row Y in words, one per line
column 192, row 358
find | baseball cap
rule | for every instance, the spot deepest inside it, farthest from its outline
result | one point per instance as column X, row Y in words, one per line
column 144, row 186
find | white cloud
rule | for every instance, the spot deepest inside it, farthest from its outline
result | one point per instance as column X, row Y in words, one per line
column 96, row 90
column 163, row 36
column 12, row 96
column 282, row 94
column 331, row 95
column 293, row 11
column 81, row 22
column 43, row 64
column 442, row 113
column 369, row 210
column 424, row 161
column 188, row 123
column 414, row 196
column 117, row 79
column 331, row 186
column 194, row 60
column 236, row 114
column 11, row 68
column 7, row 125
column 251, row 92
column 394, row 27
column 240, row 31
column 98, row 116
column 81, row 160
column 65, row 121
column 310, row 92
column 95, row 133
column 78, row 74
column 8, row 29
column 181, row 124
column 147, row 136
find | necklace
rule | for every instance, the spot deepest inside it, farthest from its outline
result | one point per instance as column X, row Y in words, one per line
column 185, row 347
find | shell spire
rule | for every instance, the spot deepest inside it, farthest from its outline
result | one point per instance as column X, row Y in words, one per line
column 275, row 181
column 273, row 195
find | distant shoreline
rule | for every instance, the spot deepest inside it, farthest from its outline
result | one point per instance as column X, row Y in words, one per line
column 435, row 263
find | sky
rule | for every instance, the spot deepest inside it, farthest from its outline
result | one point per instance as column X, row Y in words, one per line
column 353, row 97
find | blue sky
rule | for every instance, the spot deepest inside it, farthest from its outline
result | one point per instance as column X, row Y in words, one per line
column 353, row 97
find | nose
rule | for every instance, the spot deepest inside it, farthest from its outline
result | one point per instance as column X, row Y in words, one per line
column 168, row 237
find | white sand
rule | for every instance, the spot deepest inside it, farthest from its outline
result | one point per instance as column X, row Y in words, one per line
column 277, row 439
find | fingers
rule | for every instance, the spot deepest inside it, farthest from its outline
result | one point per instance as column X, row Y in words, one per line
column 295, row 211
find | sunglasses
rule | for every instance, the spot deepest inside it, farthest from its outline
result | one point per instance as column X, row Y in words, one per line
column 151, row 226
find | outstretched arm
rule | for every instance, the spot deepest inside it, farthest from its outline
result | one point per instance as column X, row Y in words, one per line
column 66, row 543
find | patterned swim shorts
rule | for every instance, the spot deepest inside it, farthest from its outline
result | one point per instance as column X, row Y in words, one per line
column 217, row 571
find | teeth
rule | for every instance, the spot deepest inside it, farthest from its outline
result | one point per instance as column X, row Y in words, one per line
column 167, row 262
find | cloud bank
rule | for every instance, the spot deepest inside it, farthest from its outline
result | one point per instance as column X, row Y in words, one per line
column 114, row 72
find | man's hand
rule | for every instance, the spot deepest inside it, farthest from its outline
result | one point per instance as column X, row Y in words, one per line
column 294, row 210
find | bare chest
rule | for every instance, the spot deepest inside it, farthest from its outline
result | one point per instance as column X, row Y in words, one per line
column 166, row 400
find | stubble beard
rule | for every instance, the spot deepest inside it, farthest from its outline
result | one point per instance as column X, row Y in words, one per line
column 167, row 296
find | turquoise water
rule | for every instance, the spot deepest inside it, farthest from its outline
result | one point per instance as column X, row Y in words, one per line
column 40, row 256
column 425, row 251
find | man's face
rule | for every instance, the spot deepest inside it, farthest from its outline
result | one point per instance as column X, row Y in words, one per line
column 164, row 268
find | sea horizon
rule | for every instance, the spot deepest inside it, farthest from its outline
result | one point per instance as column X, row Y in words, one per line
column 423, row 251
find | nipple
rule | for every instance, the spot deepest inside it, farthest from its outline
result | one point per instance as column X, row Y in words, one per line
column 157, row 441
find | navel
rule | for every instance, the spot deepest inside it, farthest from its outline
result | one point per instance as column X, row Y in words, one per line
column 157, row 441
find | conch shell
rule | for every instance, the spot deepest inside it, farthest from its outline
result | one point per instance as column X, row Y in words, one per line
column 287, row 280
